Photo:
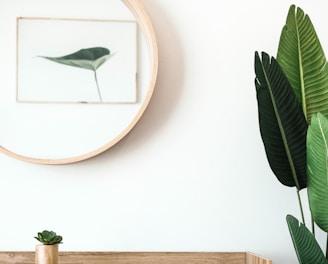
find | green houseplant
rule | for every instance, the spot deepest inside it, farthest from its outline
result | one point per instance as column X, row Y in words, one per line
column 49, row 238
column 47, row 251
column 292, row 96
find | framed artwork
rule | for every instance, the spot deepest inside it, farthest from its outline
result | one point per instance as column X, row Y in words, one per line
column 73, row 81
column 70, row 61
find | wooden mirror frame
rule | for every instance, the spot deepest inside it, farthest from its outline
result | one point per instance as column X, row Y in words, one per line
column 145, row 25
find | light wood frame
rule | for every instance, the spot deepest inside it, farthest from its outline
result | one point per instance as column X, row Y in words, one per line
column 145, row 25
column 20, row 257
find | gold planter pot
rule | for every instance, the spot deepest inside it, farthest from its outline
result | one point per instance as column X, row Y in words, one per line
column 46, row 254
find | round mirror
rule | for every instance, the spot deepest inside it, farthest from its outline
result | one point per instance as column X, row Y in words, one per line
column 74, row 78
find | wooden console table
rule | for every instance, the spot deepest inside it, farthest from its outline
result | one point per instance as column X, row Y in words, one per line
column 20, row 257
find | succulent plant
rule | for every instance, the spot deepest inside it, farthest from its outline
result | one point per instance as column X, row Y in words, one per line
column 49, row 238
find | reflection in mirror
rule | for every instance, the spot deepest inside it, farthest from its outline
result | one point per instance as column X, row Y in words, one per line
column 74, row 81
column 111, row 62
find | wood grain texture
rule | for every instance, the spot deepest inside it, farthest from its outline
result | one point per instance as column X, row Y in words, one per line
column 254, row 259
column 46, row 254
column 20, row 257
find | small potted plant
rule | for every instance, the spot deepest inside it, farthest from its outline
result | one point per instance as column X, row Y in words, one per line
column 47, row 252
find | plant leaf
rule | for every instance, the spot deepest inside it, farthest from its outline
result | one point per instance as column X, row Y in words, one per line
column 307, row 248
column 91, row 58
column 282, row 124
column 303, row 61
column 57, row 239
column 40, row 236
column 49, row 238
column 317, row 167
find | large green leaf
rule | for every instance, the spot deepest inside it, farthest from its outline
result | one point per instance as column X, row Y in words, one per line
column 282, row 124
column 307, row 248
column 91, row 58
column 317, row 167
column 303, row 61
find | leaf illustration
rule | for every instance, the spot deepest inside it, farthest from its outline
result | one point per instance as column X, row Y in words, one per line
column 90, row 59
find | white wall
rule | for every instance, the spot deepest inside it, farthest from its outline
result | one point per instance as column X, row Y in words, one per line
column 192, row 175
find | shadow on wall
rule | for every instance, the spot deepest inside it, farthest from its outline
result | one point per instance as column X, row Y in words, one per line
column 169, row 81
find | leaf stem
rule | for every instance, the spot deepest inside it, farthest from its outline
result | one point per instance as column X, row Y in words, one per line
column 99, row 93
column 313, row 227
column 327, row 248
column 301, row 206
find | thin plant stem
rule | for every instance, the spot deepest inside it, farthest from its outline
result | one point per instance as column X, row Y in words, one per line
column 327, row 248
column 301, row 206
column 313, row 227
column 99, row 93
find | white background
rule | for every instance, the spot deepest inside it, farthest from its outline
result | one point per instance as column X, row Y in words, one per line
column 192, row 175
